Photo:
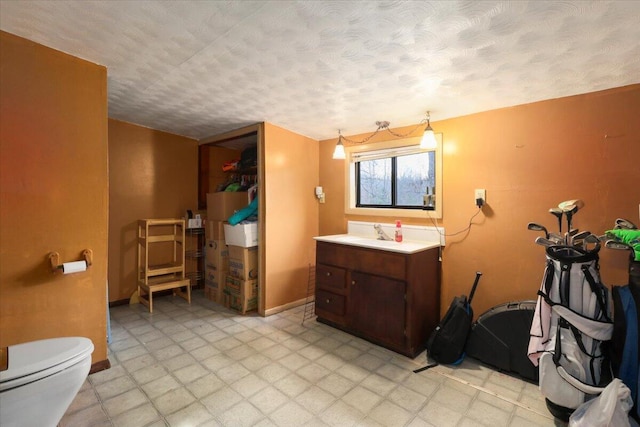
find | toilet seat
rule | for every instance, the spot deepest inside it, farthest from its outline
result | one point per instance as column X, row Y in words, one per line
column 35, row 360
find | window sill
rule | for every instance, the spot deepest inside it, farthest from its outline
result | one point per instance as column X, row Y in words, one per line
column 398, row 213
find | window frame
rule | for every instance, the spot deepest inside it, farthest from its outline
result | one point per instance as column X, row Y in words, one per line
column 405, row 146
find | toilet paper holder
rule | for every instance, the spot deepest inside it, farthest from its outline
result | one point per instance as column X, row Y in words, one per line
column 54, row 258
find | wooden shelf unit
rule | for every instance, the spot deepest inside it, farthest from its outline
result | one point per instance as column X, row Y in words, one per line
column 168, row 275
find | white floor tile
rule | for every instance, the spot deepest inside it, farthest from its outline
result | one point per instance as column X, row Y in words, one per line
column 205, row 365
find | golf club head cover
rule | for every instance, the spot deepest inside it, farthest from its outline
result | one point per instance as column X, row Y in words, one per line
column 628, row 237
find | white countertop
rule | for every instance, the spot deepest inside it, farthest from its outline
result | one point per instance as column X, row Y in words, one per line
column 404, row 247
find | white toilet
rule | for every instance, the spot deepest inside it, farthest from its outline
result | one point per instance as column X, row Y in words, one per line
column 42, row 379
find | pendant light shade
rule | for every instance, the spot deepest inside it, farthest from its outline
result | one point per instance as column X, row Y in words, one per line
column 429, row 137
column 338, row 152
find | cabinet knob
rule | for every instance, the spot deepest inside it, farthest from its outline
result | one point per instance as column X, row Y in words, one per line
column 327, row 301
column 353, row 282
column 328, row 273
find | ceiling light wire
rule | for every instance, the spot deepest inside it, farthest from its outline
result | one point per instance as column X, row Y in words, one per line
column 384, row 125
column 428, row 135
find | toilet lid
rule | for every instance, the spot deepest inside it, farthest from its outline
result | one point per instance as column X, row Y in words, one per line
column 33, row 360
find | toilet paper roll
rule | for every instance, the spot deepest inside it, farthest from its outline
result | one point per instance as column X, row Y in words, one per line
column 74, row 267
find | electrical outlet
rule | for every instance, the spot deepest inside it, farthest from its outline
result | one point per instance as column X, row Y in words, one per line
column 480, row 194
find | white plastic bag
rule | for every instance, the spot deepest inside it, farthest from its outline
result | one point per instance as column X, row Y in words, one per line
column 610, row 409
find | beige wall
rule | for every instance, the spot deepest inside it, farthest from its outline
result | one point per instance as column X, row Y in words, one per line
column 53, row 194
column 528, row 158
column 152, row 174
column 291, row 214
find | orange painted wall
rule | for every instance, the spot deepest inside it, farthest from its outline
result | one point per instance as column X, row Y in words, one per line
column 53, row 194
column 291, row 214
column 528, row 158
column 152, row 174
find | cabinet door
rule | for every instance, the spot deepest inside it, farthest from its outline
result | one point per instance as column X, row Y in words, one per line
column 377, row 308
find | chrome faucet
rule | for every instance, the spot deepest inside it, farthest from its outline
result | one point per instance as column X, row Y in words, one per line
column 381, row 234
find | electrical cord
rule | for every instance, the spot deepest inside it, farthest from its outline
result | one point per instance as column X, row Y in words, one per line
column 458, row 232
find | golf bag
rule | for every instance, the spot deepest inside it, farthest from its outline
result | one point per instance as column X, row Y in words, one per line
column 571, row 330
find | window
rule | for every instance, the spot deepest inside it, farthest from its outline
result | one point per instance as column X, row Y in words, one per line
column 391, row 178
column 399, row 181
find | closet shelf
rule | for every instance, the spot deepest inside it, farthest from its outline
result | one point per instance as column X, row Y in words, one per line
column 160, row 269
column 161, row 238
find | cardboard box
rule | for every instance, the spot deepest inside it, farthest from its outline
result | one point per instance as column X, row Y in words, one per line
column 214, row 282
column 216, row 268
column 221, row 205
column 216, row 253
column 215, row 230
column 213, row 293
column 241, row 295
column 245, row 235
column 243, row 262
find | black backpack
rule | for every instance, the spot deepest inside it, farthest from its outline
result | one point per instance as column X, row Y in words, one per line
column 446, row 342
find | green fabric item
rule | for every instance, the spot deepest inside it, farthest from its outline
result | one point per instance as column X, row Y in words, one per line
column 233, row 187
column 629, row 237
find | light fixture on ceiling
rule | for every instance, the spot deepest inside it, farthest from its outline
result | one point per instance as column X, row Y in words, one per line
column 428, row 139
column 338, row 152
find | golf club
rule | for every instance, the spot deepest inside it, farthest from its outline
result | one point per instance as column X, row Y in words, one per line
column 569, row 214
column 625, row 224
column 557, row 212
column 591, row 239
column 580, row 236
column 570, row 203
column 537, row 227
column 570, row 207
column 568, row 236
column 612, row 244
column 544, row 242
column 556, row 237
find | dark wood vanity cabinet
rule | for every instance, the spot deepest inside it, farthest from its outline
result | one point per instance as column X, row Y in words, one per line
column 389, row 298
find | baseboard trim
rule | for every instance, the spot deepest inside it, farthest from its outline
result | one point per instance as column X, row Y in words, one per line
column 287, row 306
column 99, row 366
column 269, row 312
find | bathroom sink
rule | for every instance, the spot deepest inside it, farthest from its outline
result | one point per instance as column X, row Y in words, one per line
column 406, row 247
column 347, row 238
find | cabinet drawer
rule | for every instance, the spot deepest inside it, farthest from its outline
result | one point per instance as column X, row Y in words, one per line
column 381, row 263
column 329, row 302
column 330, row 277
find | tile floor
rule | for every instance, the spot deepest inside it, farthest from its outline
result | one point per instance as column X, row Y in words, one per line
column 204, row 365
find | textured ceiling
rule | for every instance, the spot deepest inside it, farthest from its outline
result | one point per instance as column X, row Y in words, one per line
column 199, row 68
